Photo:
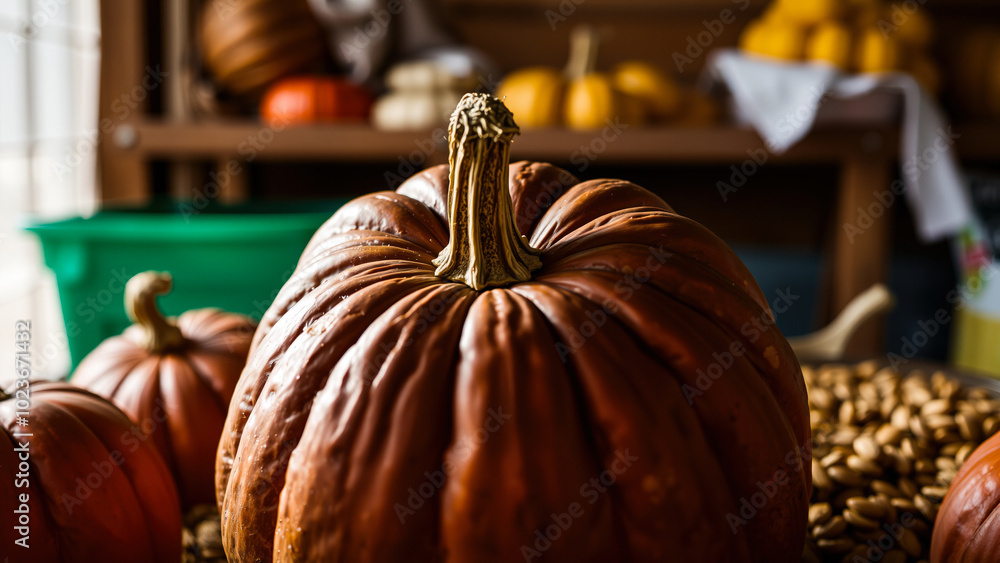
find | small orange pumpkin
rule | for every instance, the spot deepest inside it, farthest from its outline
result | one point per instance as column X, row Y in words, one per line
column 175, row 378
column 308, row 99
column 82, row 481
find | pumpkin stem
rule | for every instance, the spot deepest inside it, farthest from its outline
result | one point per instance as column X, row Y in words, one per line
column 158, row 333
column 583, row 43
column 485, row 249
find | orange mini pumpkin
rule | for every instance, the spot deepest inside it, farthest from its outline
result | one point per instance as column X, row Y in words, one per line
column 308, row 99
column 174, row 378
column 83, row 481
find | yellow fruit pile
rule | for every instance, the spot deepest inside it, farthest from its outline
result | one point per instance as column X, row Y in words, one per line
column 852, row 35
column 580, row 97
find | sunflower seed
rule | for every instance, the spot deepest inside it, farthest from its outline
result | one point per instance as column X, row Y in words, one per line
column 819, row 513
column 865, row 507
column 832, row 528
column 855, row 519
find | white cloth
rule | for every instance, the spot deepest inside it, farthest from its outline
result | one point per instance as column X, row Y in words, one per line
column 781, row 99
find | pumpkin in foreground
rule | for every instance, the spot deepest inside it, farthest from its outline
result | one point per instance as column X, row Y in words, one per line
column 96, row 489
column 458, row 371
column 174, row 378
column 967, row 529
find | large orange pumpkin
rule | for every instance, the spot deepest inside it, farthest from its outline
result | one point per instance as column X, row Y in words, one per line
column 174, row 378
column 967, row 529
column 81, row 483
column 461, row 372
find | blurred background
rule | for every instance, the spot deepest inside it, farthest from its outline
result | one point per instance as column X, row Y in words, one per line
column 210, row 138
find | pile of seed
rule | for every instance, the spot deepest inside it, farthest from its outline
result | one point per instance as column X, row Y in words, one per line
column 886, row 447
column 202, row 536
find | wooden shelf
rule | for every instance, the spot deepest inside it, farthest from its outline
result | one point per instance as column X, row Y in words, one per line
column 719, row 144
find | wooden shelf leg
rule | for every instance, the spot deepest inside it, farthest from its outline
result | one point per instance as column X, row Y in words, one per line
column 124, row 176
column 861, row 244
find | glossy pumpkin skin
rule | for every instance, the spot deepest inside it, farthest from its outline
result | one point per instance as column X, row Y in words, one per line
column 97, row 490
column 967, row 529
column 179, row 396
column 369, row 374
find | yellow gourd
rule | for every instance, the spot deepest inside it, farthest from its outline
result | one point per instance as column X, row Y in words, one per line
column 852, row 35
column 753, row 39
column 830, row 42
column 591, row 101
column 534, row 95
column 591, row 98
column 651, row 87
column 781, row 40
column 876, row 52
column 576, row 97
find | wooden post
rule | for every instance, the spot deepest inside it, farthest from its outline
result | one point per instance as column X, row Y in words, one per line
column 861, row 249
column 123, row 174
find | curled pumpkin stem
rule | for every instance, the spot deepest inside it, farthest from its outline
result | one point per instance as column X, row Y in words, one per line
column 158, row 333
column 485, row 249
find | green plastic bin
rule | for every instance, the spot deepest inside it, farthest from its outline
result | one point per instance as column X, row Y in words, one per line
column 235, row 258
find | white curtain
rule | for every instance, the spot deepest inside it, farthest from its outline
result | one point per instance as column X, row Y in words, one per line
column 49, row 70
